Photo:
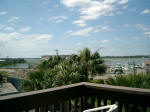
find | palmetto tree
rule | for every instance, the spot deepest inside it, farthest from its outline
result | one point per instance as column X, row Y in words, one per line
column 92, row 64
column 57, row 71
column 51, row 62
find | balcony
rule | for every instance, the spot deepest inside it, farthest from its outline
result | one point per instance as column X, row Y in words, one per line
column 76, row 98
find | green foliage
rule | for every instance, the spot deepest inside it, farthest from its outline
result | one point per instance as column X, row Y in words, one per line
column 57, row 71
column 132, row 80
column 12, row 61
column 98, row 81
column 51, row 62
column 3, row 77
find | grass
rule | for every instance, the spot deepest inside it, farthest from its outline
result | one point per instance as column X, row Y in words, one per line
column 132, row 80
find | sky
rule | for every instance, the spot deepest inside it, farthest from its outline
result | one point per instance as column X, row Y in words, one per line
column 32, row 28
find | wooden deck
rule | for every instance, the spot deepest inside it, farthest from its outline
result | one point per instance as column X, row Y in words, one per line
column 78, row 97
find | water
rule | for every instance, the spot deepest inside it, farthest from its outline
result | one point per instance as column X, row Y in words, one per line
column 32, row 62
column 22, row 65
column 114, row 61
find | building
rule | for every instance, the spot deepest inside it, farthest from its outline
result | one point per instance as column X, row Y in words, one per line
column 147, row 66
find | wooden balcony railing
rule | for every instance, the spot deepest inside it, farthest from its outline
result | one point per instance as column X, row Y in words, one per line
column 76, row 98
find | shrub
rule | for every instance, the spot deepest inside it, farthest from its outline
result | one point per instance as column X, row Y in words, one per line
column 133, row 80
column 58, row 71
column 98, row 81
column 3, row 77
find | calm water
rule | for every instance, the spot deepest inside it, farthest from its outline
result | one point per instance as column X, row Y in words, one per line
column 24, row 66
column 114, row 61
column 32, row 62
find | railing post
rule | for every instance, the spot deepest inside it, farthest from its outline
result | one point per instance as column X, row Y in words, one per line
column 53, row 108
column 37, row 109
column 68, row 106
column 120, row 105
column 61, row 107
column 44, row 109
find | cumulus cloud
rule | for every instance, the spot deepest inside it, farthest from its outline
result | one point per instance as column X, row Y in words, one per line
column 105, row 41
column 25, row 29
column 44, row 3
column 80, row 23
column 93, row 41
column 93, row 9
column 105, row 28
column 136, row 38
column 12, row 19
column 147, row 34
column 3, row 13
column 116, row 39
column 9, row 29
column 82, row 32
column 146, row 11
column 123, row 1
column 79, row 44
column 119, row 13
column 45, row 37
column 142, row 27
column 19, row 41
column 57, row 19
column 126, row 25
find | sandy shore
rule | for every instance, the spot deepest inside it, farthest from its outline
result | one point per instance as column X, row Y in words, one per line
column 17, row 73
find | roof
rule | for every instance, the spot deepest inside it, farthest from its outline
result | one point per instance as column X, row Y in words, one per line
column 2, row 60
column 7, row 88
column 147, row 62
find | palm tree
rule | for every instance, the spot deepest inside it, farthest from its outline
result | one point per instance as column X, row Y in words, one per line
column 92, row 64
column 57, row 71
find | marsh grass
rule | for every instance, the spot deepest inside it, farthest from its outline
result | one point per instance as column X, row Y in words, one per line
column 132, row 80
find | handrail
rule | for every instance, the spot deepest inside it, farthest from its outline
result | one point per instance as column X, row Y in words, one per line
column 45, row 97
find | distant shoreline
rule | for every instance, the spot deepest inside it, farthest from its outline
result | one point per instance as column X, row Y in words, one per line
column 135, row 56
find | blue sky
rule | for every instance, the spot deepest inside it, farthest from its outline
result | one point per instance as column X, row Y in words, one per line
column 32, row 28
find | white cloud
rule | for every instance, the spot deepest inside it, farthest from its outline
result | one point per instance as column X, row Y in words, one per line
column 142, row 27
column 136, row 38
column 105, row 41
column 44, row 3
column 146, row 11
column 25, row 29
column 125, row 7
column 116, row 39
column 79, row 44
column 9, row 29
column 126, row 25
column 110, row 14
column 123, row 1
column 80, row 23
column 92, row 9
column 93, row 41
column 12, row 19
column 147, row 34
column 3, row 13
column 18, row 42
column 6, row 37
column 44, row 37
column 105, row 28
column 119, row 13
column 14, row 34
column 57, row 19
column 83, row 32
column 96, row 29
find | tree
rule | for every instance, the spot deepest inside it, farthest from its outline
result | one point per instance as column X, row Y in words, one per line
column 57, row 71
column 92, row 64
